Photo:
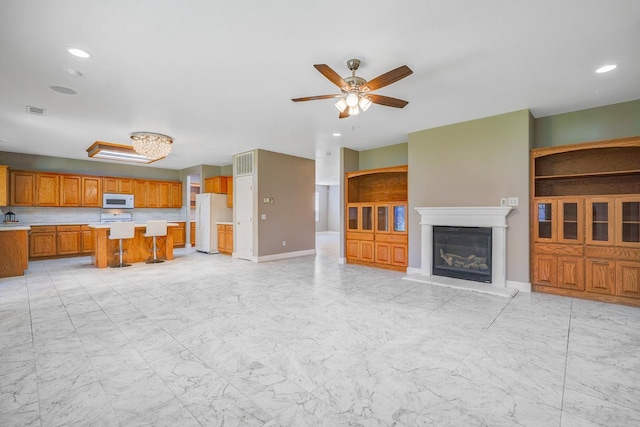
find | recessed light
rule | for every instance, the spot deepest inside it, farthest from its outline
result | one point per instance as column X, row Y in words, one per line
column 80, row 53
column 73, row 72
column 65, row 90
column 337, row 134
column 606, row 68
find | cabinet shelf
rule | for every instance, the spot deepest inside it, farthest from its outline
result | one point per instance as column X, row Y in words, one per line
column 587, row 175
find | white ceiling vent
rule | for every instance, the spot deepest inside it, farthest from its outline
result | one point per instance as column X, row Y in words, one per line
column 35, row 110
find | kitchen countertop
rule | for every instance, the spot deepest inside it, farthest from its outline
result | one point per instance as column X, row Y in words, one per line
column 13, row 227
column 225, row 223
column 137, row 225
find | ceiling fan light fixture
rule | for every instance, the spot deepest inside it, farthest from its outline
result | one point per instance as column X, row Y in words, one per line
column 352, row 99
column 354, row 111
column 341, row 105
column 364, row 103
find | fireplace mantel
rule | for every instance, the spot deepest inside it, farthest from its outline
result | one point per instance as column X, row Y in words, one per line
column 486, row 216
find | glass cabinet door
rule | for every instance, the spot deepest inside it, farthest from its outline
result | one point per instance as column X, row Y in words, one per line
column 628, row 221
column 399, row 218
column 367, row 218
column 545, row 226
column 570, row 221
column 352, row 222
column 382, row 218
column 600, row 221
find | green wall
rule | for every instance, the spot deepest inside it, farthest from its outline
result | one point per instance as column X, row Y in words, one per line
column 391, row 155
column 595, row 124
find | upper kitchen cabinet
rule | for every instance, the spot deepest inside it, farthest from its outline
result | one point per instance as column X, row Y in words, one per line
column 70, row 190
column 4, row 185
column 229, row 191
column 157, row 194
column 92, row 191
column 22, row 186
column 118, row 185
column 216, row 184
column 47, row 189
column 175, row 194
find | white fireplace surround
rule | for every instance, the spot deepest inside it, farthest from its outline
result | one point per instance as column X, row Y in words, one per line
column 494, row 217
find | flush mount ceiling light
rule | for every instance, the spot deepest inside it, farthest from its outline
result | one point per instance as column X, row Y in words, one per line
column 111, row 151
column 80, row 53
column 152, row 145
column 356, row 92
column 64, row 90
column 606, row 68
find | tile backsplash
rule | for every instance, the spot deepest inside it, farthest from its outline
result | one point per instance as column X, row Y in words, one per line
column 37, row 215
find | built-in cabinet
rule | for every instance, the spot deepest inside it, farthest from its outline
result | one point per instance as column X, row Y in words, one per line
column 118, row 185
column 4, row 185
column 192, row 235
column 225, row 238
column 220, row 185
column 585, row 216
column 180, row 235
column 59, row 240
column 157, row 194
column 376, row 212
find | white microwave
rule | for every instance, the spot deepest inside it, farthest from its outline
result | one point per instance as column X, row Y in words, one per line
column 117, row 201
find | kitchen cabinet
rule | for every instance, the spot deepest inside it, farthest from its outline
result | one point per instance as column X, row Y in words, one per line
column 69, row 239
column 91, row 191
column 179, row 235
column 585, row 216
column 70, row 190
column 4, row 185
column 216, row 184
column 225, row 238
column 193, row 233
column 42, row 241
column 376, row 212
column 230, row 191
column 140, row 194
column 157, row 194
column 175, row 194
column 118, row 185
column 47, row 191
column 14, row 252
column 22, row 187
column 86, row 239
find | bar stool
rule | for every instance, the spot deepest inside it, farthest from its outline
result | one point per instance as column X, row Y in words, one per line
column 155, row 228
column 119, row 231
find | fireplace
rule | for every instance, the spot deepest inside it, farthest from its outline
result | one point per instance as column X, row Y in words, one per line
column 462, row 253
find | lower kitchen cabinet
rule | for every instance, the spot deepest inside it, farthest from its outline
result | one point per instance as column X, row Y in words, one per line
column 86, row 237
column 225, row 238
column 180, row 235
column 192, row 237
column 42, row 241
column 69, row 239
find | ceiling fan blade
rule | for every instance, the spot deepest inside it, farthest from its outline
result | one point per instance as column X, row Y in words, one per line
column 313, row 98
column 344, row 114
column 335, row 78
column 387, row 78
column 387, row 100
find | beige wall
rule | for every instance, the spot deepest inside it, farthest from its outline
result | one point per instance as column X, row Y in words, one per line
column 349, row 161
column 290, row 182
column 474, row 163
column 391, row 155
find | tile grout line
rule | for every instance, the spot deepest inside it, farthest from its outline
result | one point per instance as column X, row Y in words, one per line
column 566, row 361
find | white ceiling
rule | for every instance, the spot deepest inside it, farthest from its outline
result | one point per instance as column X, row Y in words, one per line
column 218, row 76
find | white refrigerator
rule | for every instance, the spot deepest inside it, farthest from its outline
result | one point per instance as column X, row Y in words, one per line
column 210, row 209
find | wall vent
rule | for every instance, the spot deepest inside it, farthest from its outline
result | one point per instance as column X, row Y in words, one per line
column 243, row 164
column 35, row 110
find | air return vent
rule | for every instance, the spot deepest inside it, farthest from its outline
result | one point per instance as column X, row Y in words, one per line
column 243, row 164
column 35, row 110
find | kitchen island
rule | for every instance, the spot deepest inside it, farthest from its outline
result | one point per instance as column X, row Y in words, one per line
column 14, row 250
column 137, row 249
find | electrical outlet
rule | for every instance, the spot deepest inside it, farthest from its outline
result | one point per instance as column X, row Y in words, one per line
column 284, row 243
column 266, row 199
column 513, row 201
column 263, row 216
column 503, row 201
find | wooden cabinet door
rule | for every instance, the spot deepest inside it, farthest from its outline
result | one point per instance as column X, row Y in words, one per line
column 92, row 191
column 229, row 191
column 399, row 254
column 175, row 194
column 86, row 240
column 153, row 194
column 628, row 279
column 571, row 220
column 163, row 194
column 42, row 242
column 353, row 249
column 601, row 276
column 545, row 270
column 544, row 223
column 228, row 239
column 47, row 189
column 222, row 235
column 69, row 242
column 571, row 273
column 627, row 221
column 4, row 185
column 193, row 233
column 22, row 188
column 383, row 253
column 600, row 221
column 125, row 185
column 70, row 190
column 367, row 251
column 179, row 235
column 110, row 185
column 140, row 194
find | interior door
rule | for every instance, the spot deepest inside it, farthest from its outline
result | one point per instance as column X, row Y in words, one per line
column 243, row 212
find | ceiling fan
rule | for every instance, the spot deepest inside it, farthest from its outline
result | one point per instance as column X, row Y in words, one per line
column 356, row 92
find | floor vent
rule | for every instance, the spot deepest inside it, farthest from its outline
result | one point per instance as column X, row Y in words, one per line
column 243, row 164
column 35, row 110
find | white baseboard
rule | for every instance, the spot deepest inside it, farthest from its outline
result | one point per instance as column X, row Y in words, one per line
column 285, row 255
column 342, row 260
column 521, row 286
column 413, row 270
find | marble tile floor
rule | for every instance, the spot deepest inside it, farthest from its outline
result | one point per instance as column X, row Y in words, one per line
column 207, row 340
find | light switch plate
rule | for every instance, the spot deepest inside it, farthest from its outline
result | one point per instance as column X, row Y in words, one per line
column 513, row 201
column 503, row 201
